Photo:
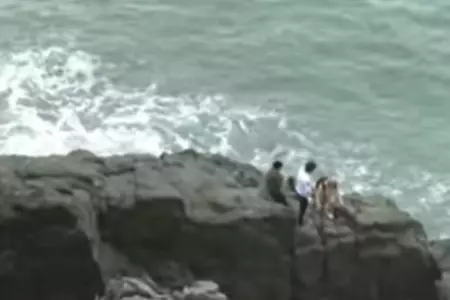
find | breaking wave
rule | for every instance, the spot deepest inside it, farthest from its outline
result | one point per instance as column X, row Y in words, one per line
column 54, row 101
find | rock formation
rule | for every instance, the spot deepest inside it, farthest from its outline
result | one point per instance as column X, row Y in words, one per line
column 378, row 253
column 71, row 225
column 441, row 251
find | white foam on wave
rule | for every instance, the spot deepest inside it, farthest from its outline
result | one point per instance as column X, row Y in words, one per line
column 55, row 100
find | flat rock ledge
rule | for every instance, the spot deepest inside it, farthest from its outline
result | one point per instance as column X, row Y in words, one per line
column 194, row 226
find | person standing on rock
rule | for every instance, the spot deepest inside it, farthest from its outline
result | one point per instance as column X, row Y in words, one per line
column 304, row 187
column 273, row 183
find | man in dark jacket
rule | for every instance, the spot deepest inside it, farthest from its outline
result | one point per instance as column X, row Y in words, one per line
column 273, row 183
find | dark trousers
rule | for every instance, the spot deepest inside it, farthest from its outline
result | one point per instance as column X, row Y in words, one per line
column 280, row 199
column 303, row 206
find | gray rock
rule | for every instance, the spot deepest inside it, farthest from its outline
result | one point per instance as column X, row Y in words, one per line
column 444, row 286
column 193, row 209
column 144, row 288
column 441, row 251
column 375, row 251
column 45, row 230
column 203, row 290
column 125, row 288
column 43, row 253
column 186, row 217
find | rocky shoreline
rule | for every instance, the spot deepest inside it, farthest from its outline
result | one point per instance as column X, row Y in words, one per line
column 193, row 226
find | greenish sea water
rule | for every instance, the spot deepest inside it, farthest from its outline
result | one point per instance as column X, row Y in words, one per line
column 361, row 86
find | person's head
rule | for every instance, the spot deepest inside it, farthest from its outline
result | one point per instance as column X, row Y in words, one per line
column 310, row 166
column 321, row 181
column 333, row 184
column 277, row 165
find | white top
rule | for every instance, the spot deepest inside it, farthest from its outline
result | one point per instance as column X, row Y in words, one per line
column 304, row 185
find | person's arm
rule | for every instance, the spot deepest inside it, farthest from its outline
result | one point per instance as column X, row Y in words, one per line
column 298, row 182
column 291, row 183
column 310, row 190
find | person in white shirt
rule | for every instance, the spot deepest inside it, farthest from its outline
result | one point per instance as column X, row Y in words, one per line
column 304, row 187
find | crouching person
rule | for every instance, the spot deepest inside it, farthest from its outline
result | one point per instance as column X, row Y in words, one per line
column 273, row 184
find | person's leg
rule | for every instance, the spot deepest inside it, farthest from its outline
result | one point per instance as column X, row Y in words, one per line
column 329, row 209
column 303, row 206
column 281, row 199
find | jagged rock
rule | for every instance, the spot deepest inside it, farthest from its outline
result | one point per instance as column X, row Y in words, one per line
column 186, row 216
column 374, row 252
column 125, row 288
column 441, row 251
column 203, row 290
column 113, row 263
column 200, row 212
column 144, row 288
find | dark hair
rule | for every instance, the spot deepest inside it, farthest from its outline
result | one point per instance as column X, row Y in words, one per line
column 277, row 165
column 310, row 166
column 320, row 181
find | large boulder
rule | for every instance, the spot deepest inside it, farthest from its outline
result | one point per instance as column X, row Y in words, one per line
column 185, row 217
column 43, row 252
column 205, row 213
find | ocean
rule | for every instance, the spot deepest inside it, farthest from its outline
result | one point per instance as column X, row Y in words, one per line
column 359, row 86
